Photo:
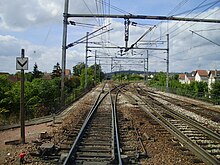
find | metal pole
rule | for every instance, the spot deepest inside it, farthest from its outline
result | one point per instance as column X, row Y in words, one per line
column 22, row 116
column 131, row 16
column 167, row 79
column 111, row 64
column 127, row 23
column 87, row 33
column 120, row 80
column 95, row 66
column 65, row 17
column 147, row 66
column 99, row 72
column 144, row 72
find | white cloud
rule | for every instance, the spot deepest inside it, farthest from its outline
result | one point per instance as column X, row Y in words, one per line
column 22, row 14
column 187, row 52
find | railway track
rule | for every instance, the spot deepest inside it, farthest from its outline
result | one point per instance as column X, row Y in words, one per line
column 203, row 142
column 97, row 141
column 195, row 108
column 107, row 135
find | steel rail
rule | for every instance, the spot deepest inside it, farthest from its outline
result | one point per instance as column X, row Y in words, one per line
column 72, row 151
column 116, row 129
column 192, row 123
column 187, row 120
column 113, row 127
column 195, row 148
column 70, row 158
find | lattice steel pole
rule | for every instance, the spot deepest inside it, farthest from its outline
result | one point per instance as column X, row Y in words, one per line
column 167, row 78
column 86, row 76
column 65, row 19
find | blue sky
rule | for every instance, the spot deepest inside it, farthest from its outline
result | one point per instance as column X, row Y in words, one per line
column 36, row 26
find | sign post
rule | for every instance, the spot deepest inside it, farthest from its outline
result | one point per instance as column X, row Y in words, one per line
column 22, row 64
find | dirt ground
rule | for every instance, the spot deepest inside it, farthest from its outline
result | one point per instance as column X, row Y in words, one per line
column 9, row 154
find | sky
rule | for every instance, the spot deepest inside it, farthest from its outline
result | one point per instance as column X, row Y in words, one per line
column 37, row 27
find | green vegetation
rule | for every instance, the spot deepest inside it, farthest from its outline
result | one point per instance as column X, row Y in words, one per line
column 195, row 89
column 42, row 95
column 127, row 77
column 215, row 92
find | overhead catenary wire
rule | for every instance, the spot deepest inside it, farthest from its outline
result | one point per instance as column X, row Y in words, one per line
column 193, row 23
column 177, row 7
column 174, row 10
column 196, row 8
column 189, row 49
column 175, row 25
column 190, row 11
column 192, row 57
column 84, row 38
column 207, row 30
column 114, row 7
column 205, row 38
column 90, row 10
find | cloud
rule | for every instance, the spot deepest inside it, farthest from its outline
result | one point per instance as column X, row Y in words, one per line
column 9, row 45
column 23, row 14
column 45, row 57
column 24, row 23
column 10, row 49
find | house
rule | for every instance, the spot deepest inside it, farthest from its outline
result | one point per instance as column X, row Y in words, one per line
column 201, row 76
column 189, row 77
column 151, row 76
column 47, row 76
column 4, row 73
column 214, row 75
column 186, row 78
column 14, row 78
column 182, row 78
column 68, row 73
column 11, row 78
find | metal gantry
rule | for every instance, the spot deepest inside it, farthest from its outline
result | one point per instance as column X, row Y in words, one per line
column 66, row 15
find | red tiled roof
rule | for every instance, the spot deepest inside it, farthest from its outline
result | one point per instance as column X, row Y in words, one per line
column 67, row 72
column 202, row 73
column 213, row 72
column 191, row 78
column 4, row 73
column 182, row 76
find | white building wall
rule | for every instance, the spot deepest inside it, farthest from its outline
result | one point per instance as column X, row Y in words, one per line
column 197, row 77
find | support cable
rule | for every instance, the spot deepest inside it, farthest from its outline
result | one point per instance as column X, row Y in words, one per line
column 205, row 38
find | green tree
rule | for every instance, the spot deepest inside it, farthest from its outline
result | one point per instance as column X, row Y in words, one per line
column 72, row 83
column 57, row 71
column 174, row 81
column 5, row 86
column 78, row 69
column 36, row 73
column 159, row 79
column 215, row 89
column 41, row 96
column 11, row 100
column 28, row 76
